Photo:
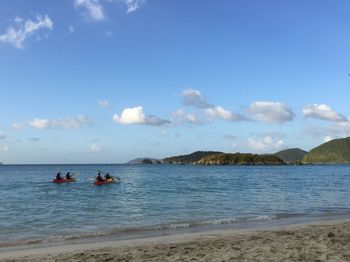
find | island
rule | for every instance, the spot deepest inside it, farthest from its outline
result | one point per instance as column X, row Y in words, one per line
column 240, row 159
column 336, row 151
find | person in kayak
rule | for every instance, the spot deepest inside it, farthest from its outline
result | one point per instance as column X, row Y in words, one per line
column 58, row 176
column 99, row 177
column 108, row 176
column 68, row 176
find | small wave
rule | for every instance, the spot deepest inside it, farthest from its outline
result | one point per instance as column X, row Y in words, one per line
column 261, row 218
column 215, row 222
column 52, row 239
column 118, row 231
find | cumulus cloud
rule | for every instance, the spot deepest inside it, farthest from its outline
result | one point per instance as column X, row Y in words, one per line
column 135, row 115
column 40, row 123
column 180, row 116
column 60, row 123
column 5, row 148
column 15, row 35
column 93, row 9
column 103, row 103
column 270, row 112
column 2, row 136
column 194, row 98
column 222, row 113
column 324, row 112
column 265, row 143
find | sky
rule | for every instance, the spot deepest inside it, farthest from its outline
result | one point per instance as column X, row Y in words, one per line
column 106, row 81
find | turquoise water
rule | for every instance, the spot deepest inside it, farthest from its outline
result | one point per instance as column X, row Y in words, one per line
column 32, row 209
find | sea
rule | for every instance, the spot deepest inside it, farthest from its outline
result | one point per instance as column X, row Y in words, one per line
column 162, row 199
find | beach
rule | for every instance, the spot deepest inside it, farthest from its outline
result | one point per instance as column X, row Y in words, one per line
column 324, row 241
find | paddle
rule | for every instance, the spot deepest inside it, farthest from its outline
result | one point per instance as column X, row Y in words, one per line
column 115, row 178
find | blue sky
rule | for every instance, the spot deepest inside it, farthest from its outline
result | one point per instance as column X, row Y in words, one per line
column 105, row 81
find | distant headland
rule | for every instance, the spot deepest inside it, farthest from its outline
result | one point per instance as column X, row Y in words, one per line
column 336, row 151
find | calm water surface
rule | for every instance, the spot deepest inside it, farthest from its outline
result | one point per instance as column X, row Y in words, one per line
column 162, row 196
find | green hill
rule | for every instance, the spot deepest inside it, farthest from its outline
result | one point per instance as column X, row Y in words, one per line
column 335, row 151
column 240, row 159
column 190, row 158
column 292, row 155
column 144, row 160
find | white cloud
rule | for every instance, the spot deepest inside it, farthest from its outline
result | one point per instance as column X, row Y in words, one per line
column 93, row 8
column 103, row 103
column 342, row 128
column 324, row 112
column 270, row 112
column 192, row 97
column 16, row 35
column 64, row 122
column 40, row 123
column 265, row 144
column 131, row 5
column 135, row 115
column 18, row 20
column 95, row 148
column 70, row 122
column 19, row 126
column 222, row 113
column 328, row 138
column 180, row 116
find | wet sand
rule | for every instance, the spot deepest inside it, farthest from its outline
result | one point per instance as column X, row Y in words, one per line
column 329, row 241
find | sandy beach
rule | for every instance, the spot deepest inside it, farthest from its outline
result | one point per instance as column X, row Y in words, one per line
column 329, row 241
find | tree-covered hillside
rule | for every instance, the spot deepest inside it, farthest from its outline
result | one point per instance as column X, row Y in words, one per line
column 335, row 151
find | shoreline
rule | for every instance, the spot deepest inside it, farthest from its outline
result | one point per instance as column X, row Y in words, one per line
column 258, row 222
column 273, row 237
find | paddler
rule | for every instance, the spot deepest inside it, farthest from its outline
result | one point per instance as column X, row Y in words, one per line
column 108, row 177
column 99, row 177
column 58, row 176
column 68, row 176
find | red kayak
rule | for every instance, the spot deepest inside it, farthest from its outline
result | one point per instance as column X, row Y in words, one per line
column 108, row 181
column 63, row 180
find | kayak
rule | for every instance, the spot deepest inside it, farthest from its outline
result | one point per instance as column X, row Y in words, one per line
column 63, row 180
column 108, row 181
